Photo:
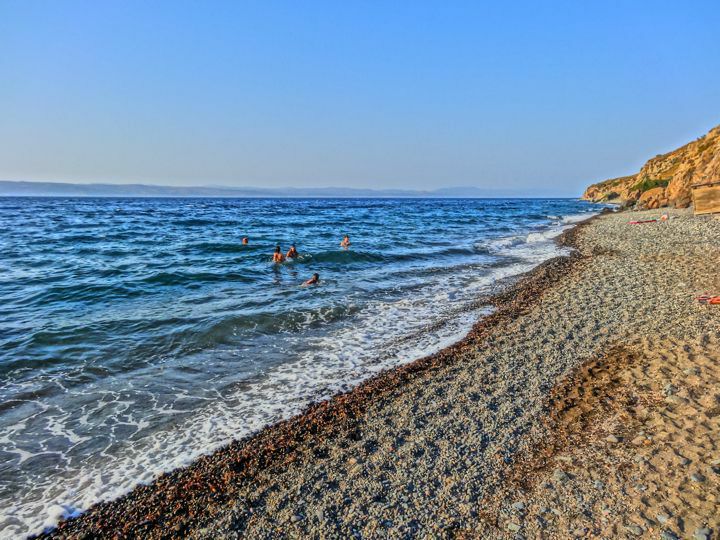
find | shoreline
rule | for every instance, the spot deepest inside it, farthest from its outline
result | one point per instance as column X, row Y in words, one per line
column 243, row 458
column 583, row 405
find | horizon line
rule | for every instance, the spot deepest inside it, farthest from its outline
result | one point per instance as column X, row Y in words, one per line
column 36, row 188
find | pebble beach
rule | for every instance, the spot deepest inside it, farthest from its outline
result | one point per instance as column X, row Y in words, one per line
column 586, row 405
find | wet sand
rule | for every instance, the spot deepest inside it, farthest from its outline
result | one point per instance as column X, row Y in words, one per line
column 586, row 405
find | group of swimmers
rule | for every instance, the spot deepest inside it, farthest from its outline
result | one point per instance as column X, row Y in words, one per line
column 292, row 253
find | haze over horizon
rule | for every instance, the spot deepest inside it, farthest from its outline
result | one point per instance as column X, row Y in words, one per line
column 532, row 98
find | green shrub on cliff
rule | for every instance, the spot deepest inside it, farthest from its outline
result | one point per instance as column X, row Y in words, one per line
column 647, row 183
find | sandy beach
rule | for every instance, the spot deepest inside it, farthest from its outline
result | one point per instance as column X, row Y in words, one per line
column 586, row 405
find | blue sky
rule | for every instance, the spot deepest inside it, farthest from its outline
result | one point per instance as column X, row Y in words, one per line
column 540, row 97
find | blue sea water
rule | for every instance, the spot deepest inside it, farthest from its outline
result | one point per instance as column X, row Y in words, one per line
column 137, row 334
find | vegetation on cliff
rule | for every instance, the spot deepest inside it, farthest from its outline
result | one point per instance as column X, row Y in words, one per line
column 666, row 179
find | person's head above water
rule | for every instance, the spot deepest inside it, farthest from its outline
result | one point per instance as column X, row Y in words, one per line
column 245, row 240
column 313, row 280
column 277, row 248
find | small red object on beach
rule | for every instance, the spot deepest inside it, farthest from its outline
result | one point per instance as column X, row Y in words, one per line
column 638, row 222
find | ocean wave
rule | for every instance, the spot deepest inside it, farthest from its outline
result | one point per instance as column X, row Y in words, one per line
column 340, row 257
column 80, row 292
column 221, row 247
column 544, row 235
column 269, row 322
column 435, row 254
column 169, row 279
column 78, row 238
column 577, row 218
column 353, row 257
column 194, row 222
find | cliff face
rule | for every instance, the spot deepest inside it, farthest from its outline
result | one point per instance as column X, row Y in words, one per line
column 665, row 180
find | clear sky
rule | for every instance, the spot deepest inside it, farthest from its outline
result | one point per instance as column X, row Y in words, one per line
column 539, row 96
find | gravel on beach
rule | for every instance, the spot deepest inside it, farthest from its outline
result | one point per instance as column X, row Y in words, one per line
column 566, row 413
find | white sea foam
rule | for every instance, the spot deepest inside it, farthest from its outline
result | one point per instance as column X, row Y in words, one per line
column 576, row 218
column 539, row 245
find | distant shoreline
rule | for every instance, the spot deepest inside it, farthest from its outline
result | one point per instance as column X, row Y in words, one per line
column 101, row 190
column 279, row 197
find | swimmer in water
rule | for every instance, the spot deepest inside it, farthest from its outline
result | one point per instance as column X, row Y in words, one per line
column 292, row 252
column 278, row 257
column 345, row 242
column 314, row 280
column 245, row 241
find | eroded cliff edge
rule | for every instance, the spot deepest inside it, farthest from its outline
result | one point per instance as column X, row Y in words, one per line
column 666, row 179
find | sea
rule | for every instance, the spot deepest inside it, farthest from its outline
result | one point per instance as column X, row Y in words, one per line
column 139, row 334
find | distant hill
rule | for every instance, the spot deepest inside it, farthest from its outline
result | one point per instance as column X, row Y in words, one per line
column 59, row 189
column 665, row 180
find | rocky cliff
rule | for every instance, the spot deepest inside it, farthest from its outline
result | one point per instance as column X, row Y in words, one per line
column 665, row 180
